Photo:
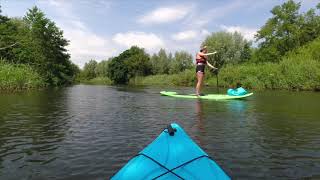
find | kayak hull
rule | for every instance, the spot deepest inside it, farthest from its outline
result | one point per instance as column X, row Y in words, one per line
column 171, row 157
column 208, row 96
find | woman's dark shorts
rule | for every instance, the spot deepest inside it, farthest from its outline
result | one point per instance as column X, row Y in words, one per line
column 200, row 68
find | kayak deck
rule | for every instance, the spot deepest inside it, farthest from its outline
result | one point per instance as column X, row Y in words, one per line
column 171, row 157
column 208, row 96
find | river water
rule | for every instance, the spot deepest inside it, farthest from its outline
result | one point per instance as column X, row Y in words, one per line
column 90, row 132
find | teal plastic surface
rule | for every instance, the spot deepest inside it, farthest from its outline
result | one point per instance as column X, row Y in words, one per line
column 237, row 92
column 171, row 152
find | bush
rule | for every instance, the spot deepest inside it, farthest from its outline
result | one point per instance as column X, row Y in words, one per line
column 19, row 77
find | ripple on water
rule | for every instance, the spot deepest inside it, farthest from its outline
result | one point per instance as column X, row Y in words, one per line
column 90, row 132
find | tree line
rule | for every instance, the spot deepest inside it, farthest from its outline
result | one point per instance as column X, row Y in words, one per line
column 136, row 62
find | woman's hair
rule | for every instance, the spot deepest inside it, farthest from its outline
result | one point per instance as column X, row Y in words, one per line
column 202, row 48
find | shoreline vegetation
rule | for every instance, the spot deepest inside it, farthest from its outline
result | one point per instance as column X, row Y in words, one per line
column 286, row 56
column 19, row 77
column 298, row 70
column 33, row 53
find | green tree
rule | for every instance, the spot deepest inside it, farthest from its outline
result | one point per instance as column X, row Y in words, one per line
column 130, row 63
column 310, row 26
column 47, row 44
column 89, row 70
column 286, row 30
column 231, row 48
column 181, row 61
column 8, row 41
column 138, row 62
column 160, row 62
column 102, row 68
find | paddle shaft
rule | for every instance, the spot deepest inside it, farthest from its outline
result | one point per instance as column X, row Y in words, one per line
column 218, row 82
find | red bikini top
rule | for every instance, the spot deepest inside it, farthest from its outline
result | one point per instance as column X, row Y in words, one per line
column 201, row 60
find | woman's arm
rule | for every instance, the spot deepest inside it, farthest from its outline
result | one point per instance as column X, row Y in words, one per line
column 207, row 54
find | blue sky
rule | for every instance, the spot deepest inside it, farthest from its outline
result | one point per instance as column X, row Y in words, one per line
column 99, row 29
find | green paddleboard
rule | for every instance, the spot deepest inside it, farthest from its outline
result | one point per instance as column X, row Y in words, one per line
column 207, row 96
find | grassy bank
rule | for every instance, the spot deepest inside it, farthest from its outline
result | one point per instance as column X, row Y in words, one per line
column 19, row 77
column 185, row 78
column 97, row 81
column 298, row 70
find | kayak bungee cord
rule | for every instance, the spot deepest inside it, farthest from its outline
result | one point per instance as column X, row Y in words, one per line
column 168, row 170
column 171, row 170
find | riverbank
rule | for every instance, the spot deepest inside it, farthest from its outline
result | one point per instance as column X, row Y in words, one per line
column 96, row 81
column 298, row 70
column 287, row 75
column 16, row 77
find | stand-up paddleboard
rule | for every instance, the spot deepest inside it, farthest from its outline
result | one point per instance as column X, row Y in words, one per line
column 207, row 96
column 172, row 155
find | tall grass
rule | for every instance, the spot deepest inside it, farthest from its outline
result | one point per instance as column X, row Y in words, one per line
column 298, row 70
column 19, row 77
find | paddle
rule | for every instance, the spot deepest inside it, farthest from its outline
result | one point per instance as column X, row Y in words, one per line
column 216, row 72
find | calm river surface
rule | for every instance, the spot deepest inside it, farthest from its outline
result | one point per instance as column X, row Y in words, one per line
column 90, row 132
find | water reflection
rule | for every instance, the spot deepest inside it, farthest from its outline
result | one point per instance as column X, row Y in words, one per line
column 237, row 106
column 31, row 126
column 90, row 132
column 199, row 115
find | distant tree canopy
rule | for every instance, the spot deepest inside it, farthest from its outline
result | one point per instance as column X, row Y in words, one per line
column 180, row 62
column 161, row 62
column 37, row 41
column 168, row 64
column 130, row 63
column 230, row 47
column 89, row 69
column 102, row 68
column 136, row 62
column 286, row 30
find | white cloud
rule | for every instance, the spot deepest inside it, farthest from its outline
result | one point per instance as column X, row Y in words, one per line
column 205, row 32
column 204, row 17
column 248, row 33
column 190, row 35
column 185, row 35
column 86, row 45
column 148, row 41
column 54, row 2
column 164, row 15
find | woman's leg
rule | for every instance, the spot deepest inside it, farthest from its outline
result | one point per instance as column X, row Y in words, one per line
column 199, row 82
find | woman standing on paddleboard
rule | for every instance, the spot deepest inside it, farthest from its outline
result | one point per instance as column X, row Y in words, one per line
column 201, row 62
